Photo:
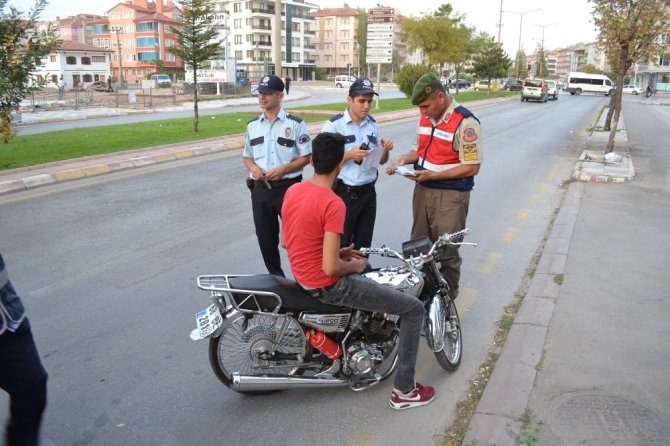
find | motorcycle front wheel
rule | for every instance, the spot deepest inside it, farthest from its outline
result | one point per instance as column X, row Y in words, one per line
column 450, row 356
column 248, row 346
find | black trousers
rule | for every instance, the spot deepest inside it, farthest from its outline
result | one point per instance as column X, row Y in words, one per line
column 23, row 377
column 360, row 220
column 266, row 206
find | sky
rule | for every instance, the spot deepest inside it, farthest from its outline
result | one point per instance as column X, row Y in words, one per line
column 564, row 22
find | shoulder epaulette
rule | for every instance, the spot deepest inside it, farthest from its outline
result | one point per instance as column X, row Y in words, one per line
column 465, row 112
column 336, row 117
column 372, row 118
column 254, row 119
column 293, row 117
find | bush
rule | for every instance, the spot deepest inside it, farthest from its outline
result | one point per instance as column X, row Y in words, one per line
column 408, row 75
column 320, row 74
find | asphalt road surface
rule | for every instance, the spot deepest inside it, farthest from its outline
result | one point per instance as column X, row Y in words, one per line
column 107, row 267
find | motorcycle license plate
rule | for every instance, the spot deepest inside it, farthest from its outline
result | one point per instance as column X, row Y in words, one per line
column 207, row 321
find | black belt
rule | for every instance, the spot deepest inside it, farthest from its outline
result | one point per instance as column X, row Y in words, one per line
column 317, row 292
column 267, row 184
column 341, row 188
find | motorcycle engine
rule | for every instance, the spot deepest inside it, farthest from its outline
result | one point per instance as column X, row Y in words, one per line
column 364, row 358
column 399, row 278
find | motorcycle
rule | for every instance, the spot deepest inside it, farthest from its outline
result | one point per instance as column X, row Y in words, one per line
column 266, row 333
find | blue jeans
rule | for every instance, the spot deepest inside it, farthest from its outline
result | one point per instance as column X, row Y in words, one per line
column 356, row 291
column 23, row 377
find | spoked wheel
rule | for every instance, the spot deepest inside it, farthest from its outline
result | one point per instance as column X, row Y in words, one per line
column 246, row 345
column 450, row 356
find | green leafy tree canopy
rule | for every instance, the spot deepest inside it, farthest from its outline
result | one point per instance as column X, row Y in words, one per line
column 21, row 51
column 491, row 61
column 408, row 76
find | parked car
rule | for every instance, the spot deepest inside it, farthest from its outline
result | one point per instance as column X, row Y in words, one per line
column 162, row 80
column 513, row 85
column 461, row 84
column 535, row 89
column 344, row 81
column 631, row 89
column 552, row 90
column 481, row 85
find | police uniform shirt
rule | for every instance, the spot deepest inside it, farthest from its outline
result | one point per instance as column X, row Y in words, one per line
column 367, row 132
column 274, row 144
column 467, row 139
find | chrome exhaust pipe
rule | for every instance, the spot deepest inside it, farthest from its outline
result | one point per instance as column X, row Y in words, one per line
column 253, row 383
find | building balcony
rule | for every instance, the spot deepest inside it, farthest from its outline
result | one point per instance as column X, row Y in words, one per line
column 263, row 11
column 261, row 43
column 261, row 28
column 309, row 61
column 309, row 47
column 309, row 32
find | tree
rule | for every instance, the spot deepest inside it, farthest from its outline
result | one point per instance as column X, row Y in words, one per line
column 463, row 49
column 491, row 61
column 196, row 41
column 542, row 68
column 21, row 51
column 521, row 66
column 629, row 29
column 362, row 38
column 408, row 76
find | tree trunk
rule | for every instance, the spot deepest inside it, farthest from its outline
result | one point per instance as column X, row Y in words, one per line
column 195, row 99
column 615, row 101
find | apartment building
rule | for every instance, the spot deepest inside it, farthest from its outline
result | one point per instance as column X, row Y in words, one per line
column 138, row 32
column 250, row 34
column 337, row 44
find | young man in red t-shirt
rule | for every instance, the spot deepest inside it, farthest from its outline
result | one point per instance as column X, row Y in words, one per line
column 313, row 221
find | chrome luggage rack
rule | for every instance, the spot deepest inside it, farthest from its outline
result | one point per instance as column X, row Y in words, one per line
column 219, row 286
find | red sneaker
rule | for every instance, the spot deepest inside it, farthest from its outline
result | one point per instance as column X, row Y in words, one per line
column 420, row 396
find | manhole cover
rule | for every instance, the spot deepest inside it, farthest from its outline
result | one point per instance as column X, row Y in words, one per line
column 604, row 419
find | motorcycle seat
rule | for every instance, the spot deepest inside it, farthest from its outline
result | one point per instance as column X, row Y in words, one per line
column 292, row 295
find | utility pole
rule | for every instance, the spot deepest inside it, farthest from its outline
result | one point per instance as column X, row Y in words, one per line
column 518, row 51
column 277, row 34
column 500, row 21
column 117, row 30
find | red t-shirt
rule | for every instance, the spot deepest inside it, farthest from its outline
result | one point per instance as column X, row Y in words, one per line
column 308, row 212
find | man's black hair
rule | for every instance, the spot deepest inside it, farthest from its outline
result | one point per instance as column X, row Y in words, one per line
column 327, row 152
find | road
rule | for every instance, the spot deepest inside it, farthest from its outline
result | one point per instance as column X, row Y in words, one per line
column 313, row 93
column 107, row 270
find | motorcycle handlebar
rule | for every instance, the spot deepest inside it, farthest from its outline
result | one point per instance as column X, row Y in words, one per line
column 444, row 239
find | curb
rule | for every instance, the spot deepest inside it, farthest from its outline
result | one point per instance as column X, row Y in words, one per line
column 507, row 393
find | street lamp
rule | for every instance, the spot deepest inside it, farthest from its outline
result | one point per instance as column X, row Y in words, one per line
column 518, row 51
column 117, row 30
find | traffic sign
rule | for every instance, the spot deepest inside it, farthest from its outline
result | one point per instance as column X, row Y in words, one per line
column 380, row 43
column 381, row 11
column 378, row 59
column 379, row 51
column 380, row 19
column 380, row 36
column 376, row 27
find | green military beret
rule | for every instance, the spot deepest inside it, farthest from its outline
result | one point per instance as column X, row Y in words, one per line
column 427, row 84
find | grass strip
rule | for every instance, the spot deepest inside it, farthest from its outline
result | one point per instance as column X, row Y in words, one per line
column 30, row 150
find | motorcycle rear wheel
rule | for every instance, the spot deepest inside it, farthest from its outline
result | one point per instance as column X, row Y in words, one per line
column 450, row 356
column 243, row 339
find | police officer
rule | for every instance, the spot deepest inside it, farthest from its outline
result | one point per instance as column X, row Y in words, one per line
column 276, row 149
column 447, row 155
column 364, row 150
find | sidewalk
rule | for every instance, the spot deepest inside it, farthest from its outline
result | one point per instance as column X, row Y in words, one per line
column 15, row 180
column 585, row 362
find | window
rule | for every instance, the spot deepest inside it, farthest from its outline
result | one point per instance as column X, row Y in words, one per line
column 238, row 39
column 663, row 60
column 329, row 22
column 344, row 20
column 237, row 23
column 170, row 57
column 328, row 46
column 295, row 41
column 250, row 54
column 344, row 58
column 145, row 26
column 52, row 58
column 99, row 59
column 344, row 34
column 295, row 57
column 169, row 42
column 295, row 27
column 128, row 14
column 238, row 55
column 128, row 43
column 86, row 60
column 100, row 29
column 148, row 56
column 328, row 34
column 130, row 57
column 115, row 15
column 88, row 78
column 147, row 41
column 237, row 7
column 71, row 60
column 327, row 58
column 344, row 46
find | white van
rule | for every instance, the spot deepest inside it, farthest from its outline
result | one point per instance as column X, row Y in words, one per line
column 162, row 80
column 344, row 81
column 579, row 83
